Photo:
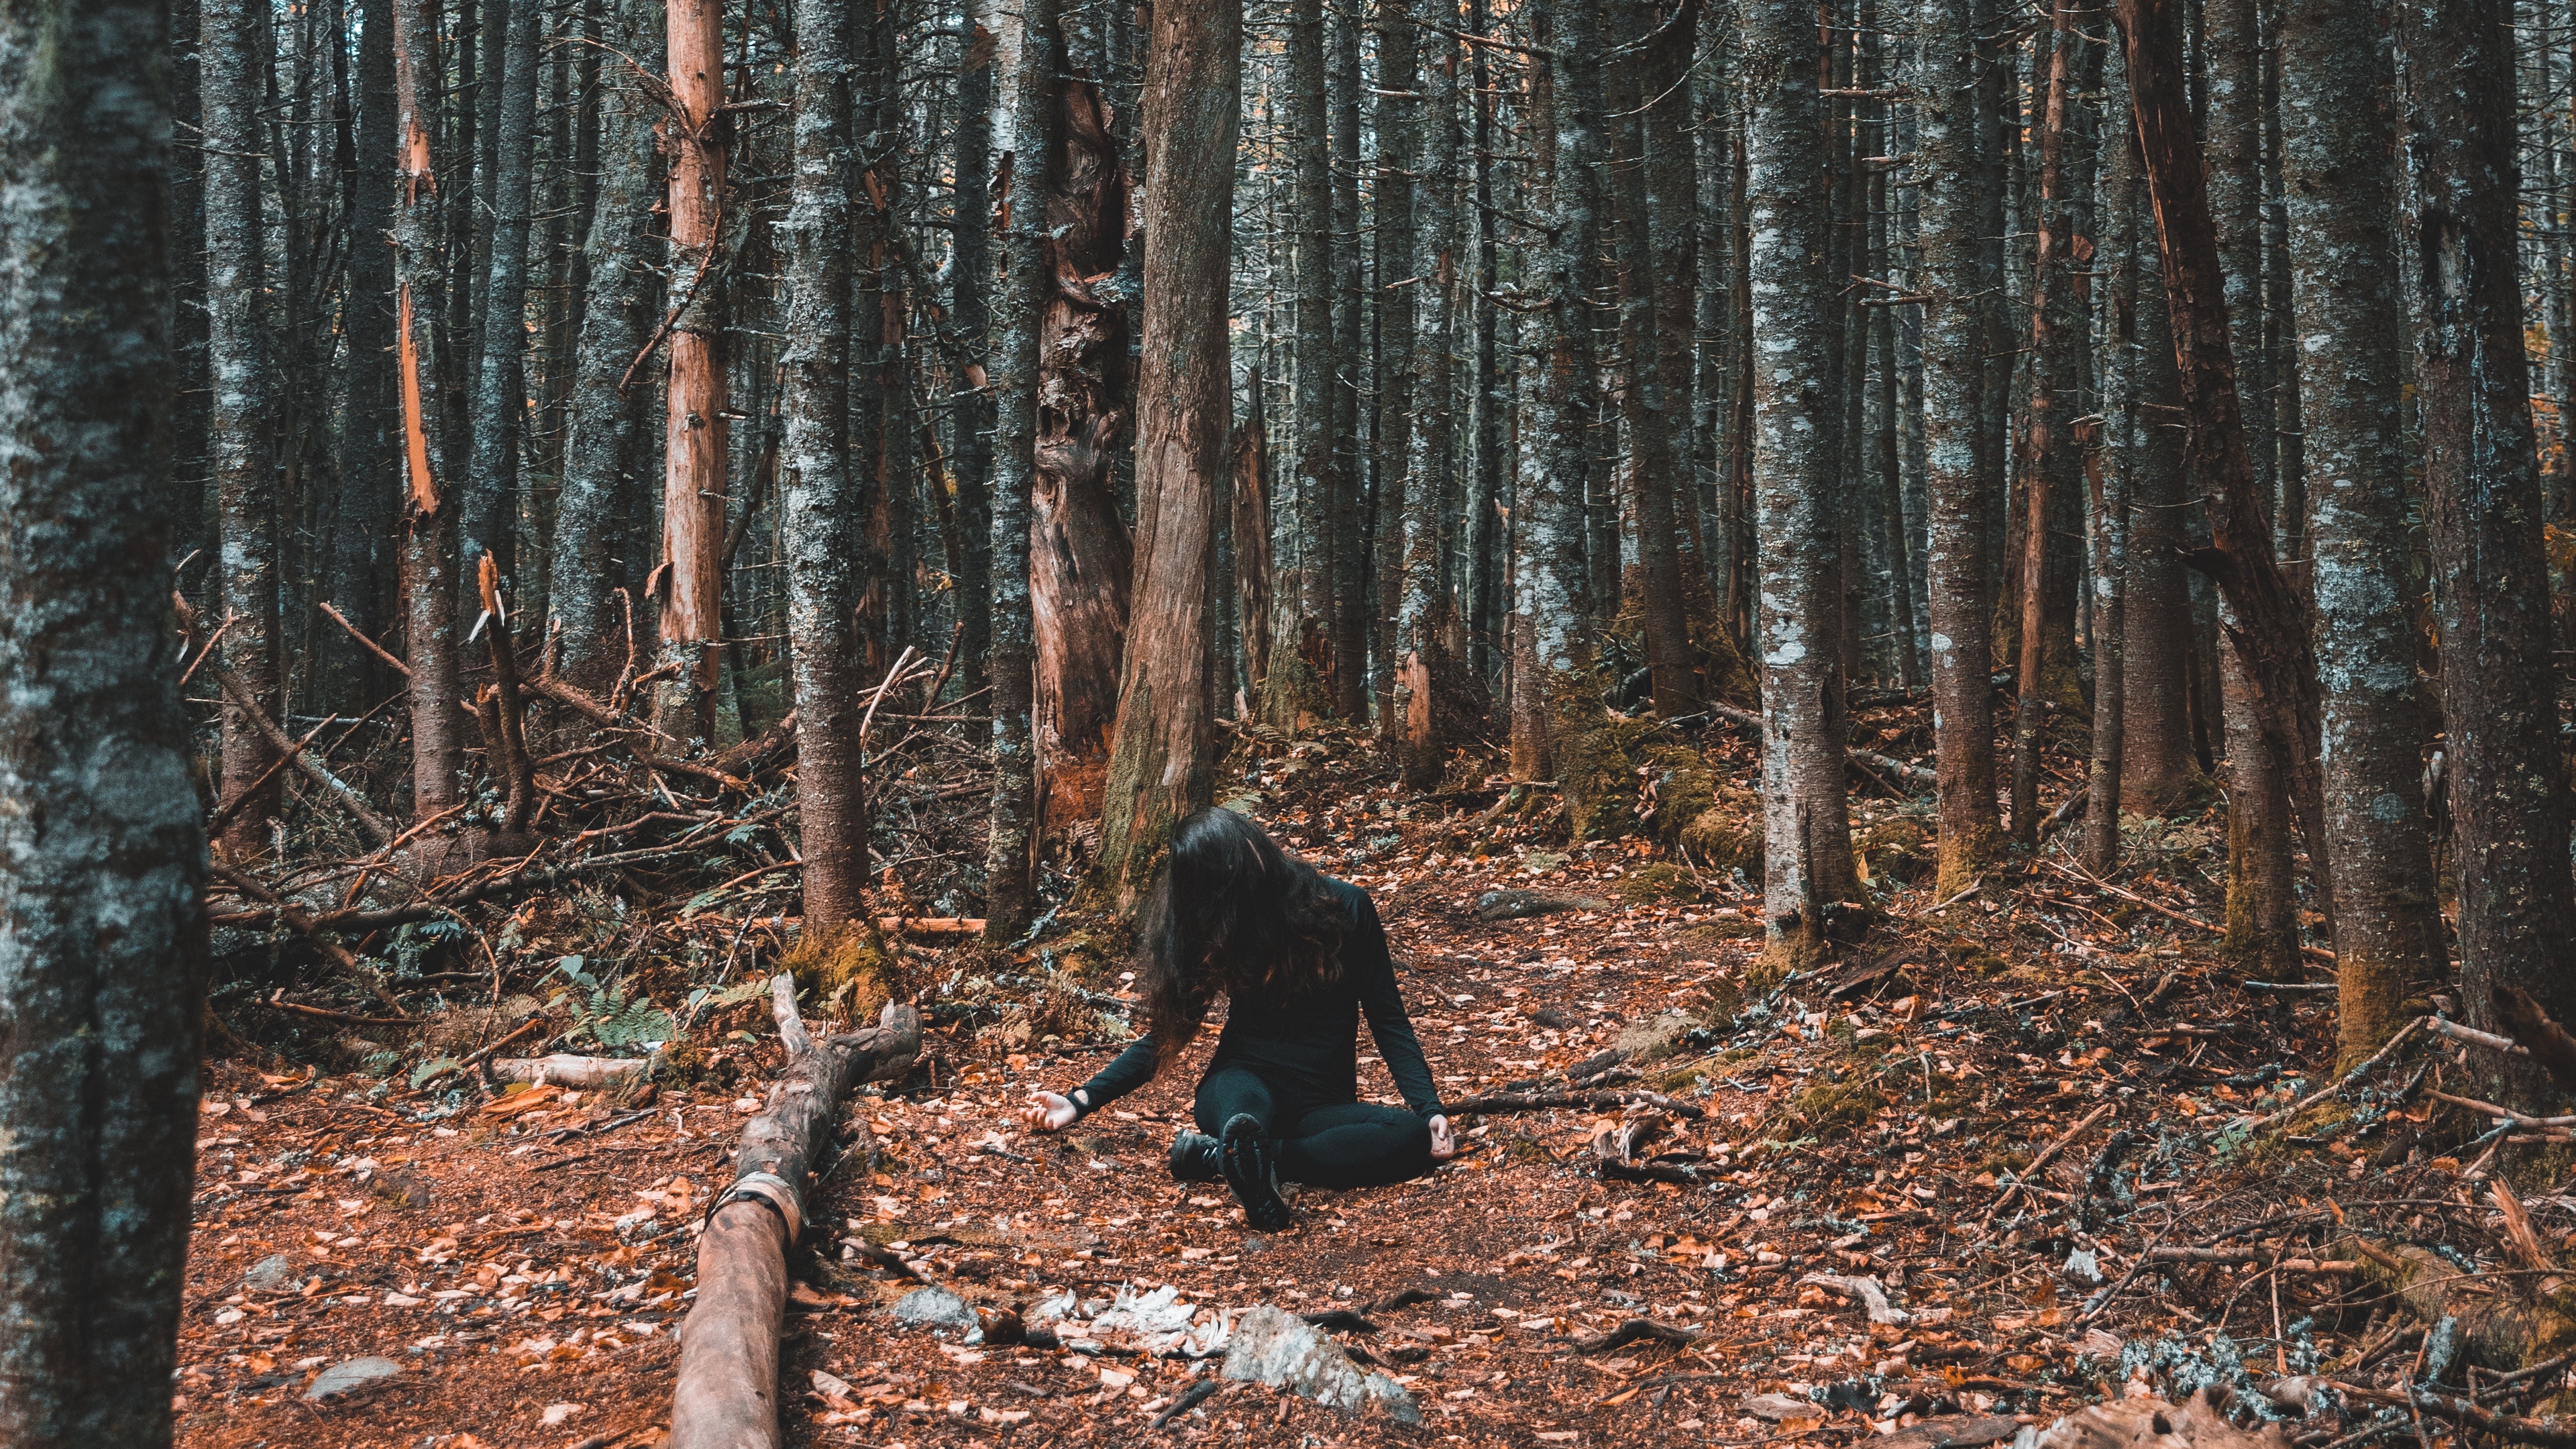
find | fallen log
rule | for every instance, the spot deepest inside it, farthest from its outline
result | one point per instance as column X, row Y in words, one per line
column 1894, row 766
column 2501, row 1327
column 727, row 1396
column 1494, row 1103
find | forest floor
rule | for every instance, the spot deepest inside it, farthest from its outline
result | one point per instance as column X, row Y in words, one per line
column 521, row 1263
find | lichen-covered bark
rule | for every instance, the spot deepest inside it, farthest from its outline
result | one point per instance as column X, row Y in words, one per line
column 2482, row 502
column 2339, row 139
column 1807, row 857
column 1019, row 300
column 822, row 593
column 1398, row 70
column 489, row 519
column 1351, row 611
column 429, row 510
column 1161, row 762
column 102, row 850
column 1422, row 659
column 1957, row 571
column 1315, row 481
column 241, row 421
column 2118, row 251
column 970, row 314
column 603, row 461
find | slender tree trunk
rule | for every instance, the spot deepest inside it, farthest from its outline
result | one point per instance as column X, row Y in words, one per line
column 1312, row 448
column 2338, row 91
column 429, row 523
column 970, row 304
column 103, row 951
column 822, row 593
column 1646, row 402
column 489, row 519
column 2158, row 769
column 1161, row 761
column 2118, row 248
column 1423, row 680
column 2046, row 476
column 1019, row 313
column 361, row 547
column 695, row 429
column 1957, row 569
column 604, row 460
column 242, row 421
column 1351, row 610
column 1807, row 856
column 2508, row 782
column 1398, row 69
column 2262, row 619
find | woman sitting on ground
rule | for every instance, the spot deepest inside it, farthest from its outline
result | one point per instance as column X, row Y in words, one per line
column 1298, row 956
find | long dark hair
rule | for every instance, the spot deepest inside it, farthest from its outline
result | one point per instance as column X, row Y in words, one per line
column 1232, row 913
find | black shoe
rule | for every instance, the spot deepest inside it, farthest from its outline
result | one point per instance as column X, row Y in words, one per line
column 1252, row 1170
column 1197, row 1157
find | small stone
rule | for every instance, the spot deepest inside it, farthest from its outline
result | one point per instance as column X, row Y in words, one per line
column 934, row 1308
column 272, row 1274
column 2096, row 1344
column 1776, row 1407
column 1514, row 905
column 1284, row 1351
column 350, row 1375
column 555, row 1414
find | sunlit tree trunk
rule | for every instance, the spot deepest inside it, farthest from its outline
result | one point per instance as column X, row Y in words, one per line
column 696, row 431
column 1423, row 665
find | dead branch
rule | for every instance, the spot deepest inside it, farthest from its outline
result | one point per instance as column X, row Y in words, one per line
column 1495, row 1103
column 240, row 697
column 2548, row 1043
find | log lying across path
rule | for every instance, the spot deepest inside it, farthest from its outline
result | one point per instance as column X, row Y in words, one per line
column 728, row 1392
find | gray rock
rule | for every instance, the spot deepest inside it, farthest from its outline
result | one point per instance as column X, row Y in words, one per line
column 1284, row 1351
column 350, row 1375
column 934, row 1308
column 1515, row 905
column 272, row 1274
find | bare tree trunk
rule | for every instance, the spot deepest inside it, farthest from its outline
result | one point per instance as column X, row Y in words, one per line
column 242, row 422
column 604, row 453
column 2158, row 769
column 1351, row 610
column 1398, row 71
column 696, row 432
column 2483, row 504
column 1423, row 670
column 2341, row 188
column 1957, row 568
column 2263, row 623
column 1249, row 527
column 822, row 594
column 488, row 522
column 361, row 546
column 1311, row 447
column 1161, row 759
column 1807, row 856
column 970, row 294
column 429, row 535
column 2118, row 258
column 1021, row 307
column 103, row 957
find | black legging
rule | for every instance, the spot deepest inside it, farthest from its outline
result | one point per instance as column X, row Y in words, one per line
column 1345, row 1144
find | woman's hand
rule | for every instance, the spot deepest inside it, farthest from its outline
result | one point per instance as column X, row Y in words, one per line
column 1443, row 1145
column 1047, row 1112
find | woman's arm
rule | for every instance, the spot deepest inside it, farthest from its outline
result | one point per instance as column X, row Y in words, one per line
column 1372, row 976
column 1129, row 1070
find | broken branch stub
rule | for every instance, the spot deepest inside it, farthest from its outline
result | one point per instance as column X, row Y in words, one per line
column 727, row 1397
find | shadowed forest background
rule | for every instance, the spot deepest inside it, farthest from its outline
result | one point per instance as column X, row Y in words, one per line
column 544, row 543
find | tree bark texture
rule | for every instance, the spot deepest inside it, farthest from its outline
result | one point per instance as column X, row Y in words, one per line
column 102, row 845
column 1424, row 669
column 489, row 519
column 361, row 550
column 2117, row 249
column 696, row 434
column 2264, row 622
column 429, row 514
column 815, row 491
column 1957, row 569
column 1398, row 71
column 1312, row 449
column 604, row 459
column 1081, row 560
column 1161, row 759
column 1807, row 856
column 2483, row 504
column 242, row 420
column 1022, row 299
column 970, row 312
column 1351, row 611
column 2338, row 93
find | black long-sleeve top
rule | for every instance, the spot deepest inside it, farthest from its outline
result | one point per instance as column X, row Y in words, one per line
column 1307, row 1040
